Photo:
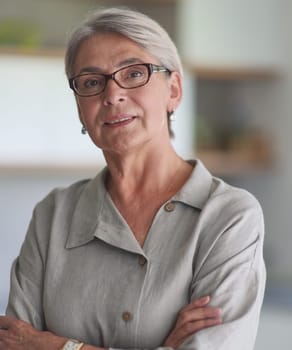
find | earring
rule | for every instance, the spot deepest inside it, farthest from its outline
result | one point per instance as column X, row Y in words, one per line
column 83, row 130
column 172, row 116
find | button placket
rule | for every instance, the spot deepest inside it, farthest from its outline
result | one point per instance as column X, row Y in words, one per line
column 131, row 303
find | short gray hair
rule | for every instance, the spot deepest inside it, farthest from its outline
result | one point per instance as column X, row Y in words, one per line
column 133, row 25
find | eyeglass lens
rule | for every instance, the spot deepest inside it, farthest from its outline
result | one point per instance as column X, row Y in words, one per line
column 128, row 78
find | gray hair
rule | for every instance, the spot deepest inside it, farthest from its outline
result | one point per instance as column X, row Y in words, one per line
column 133, row 25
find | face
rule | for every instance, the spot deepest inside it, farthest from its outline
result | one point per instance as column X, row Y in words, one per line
column 122, row 120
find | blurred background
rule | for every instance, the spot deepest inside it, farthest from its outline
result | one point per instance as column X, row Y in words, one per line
column 235, row 117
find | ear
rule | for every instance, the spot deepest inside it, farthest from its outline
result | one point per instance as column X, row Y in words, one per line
column 175, row 85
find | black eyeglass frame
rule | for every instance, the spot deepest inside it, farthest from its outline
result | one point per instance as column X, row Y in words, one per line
column 152, row 68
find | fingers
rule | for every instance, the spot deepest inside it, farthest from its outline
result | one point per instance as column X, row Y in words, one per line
column 198, row 310
column 192, row 318
column 20, row 335
column 197, row 303
column 198, row 314
column 10, row 338
column 13, row 333
column 6, row 322
column 195, row 318
column 12, row 324
column 191, row 328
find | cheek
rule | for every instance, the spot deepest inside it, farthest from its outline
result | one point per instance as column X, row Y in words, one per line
column 157, row 97
column 156, row 116
column 158, row 103
column 87, row 108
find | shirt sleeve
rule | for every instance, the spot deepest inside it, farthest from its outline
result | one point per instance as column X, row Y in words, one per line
column 26, row 280
column 231, row 270
column 229, row 267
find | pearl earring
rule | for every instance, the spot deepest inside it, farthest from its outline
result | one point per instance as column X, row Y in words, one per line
column 172, row 116
column 83, row 130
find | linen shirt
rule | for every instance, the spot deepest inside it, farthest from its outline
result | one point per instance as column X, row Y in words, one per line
column 82, row 274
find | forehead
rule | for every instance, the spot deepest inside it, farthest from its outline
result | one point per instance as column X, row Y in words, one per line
column 106, row 52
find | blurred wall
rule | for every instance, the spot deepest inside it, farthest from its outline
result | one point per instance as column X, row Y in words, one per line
column 272, row 106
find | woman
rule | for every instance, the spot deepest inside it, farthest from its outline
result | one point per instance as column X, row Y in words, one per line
column 136, row 257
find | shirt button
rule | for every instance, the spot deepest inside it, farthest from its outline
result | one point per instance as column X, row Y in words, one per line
column 142, row 260
column 127, row 316
column 169, row 206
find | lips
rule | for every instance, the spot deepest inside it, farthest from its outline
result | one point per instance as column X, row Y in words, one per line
column 118, row 120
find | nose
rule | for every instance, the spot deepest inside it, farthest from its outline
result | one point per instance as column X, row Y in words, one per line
column 113, row 93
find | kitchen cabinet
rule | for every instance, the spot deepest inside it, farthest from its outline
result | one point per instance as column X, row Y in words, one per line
column 230, row 37
column 226, row 44
column 231, row 136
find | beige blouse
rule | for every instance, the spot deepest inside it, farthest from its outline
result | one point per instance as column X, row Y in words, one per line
column 82, row 274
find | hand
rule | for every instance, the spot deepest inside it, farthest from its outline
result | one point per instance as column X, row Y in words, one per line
column 20, row 335
column 191, row 319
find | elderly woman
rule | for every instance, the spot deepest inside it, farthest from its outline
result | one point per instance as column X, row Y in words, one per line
column 152, row 252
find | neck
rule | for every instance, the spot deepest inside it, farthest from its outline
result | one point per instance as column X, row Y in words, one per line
column 134, row 174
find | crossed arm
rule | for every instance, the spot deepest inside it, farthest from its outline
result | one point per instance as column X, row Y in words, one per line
column 20, row 335
column 230, row 270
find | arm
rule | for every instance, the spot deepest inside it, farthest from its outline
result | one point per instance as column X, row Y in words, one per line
column 26, row 286
column 20, row 335
column 194, row 317
column 221, row 262
column 230, row 268
column 26, row 324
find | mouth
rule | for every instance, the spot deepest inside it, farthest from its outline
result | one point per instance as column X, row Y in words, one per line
column 119, row 121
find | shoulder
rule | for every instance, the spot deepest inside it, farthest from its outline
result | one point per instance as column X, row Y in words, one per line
column 221, row 190
column 231, row 224
column 228, row 214
column 232, row 200
column 53, row 215
column 213, row 196
column 61, row 203
column 231, row 220
column 62, row 196
column 216, row 198
column 54, row 211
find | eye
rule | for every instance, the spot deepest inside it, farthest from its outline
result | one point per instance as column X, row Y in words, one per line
column 92, row 82
column 134, row 73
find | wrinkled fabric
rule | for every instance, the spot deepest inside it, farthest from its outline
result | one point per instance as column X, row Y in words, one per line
column 82, row 274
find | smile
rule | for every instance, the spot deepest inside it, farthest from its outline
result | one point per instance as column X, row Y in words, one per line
column 119, row 121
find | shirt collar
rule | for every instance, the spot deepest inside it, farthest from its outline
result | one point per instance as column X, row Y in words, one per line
column 198, row 187
column 86, row 212
column 95, row 215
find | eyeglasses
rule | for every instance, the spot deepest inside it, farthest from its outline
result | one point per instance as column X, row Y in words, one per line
column 130, row 77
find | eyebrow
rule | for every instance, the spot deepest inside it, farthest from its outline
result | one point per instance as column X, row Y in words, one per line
column 127, row 61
